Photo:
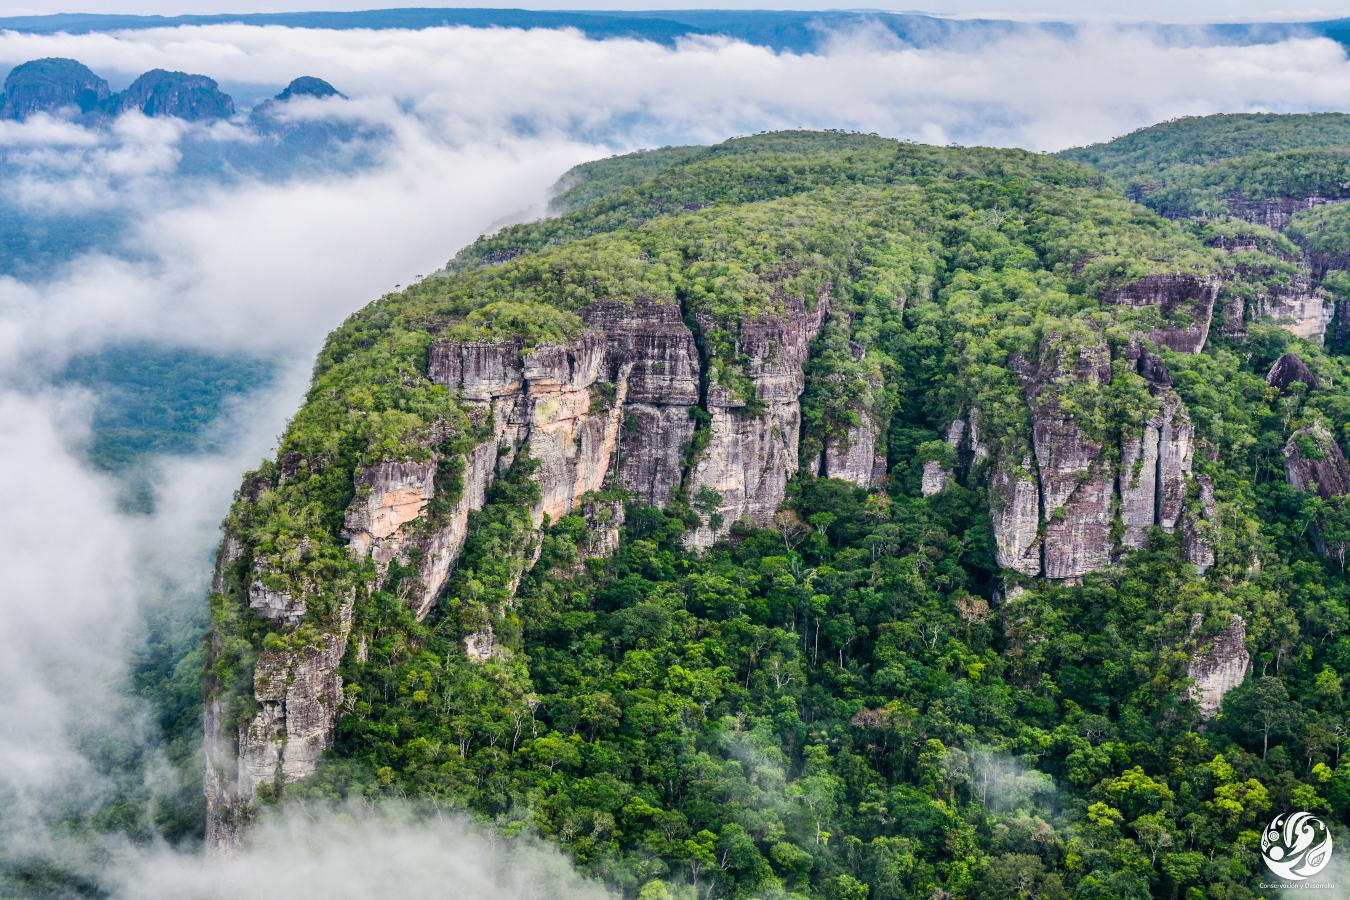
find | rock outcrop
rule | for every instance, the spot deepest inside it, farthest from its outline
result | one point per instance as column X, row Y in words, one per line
column 1313, row 461
column 299, row 694
column 1015, row 507
column 935, row 474
column 652, row 350
column 1288, row 369
column 1176, row 450
column 1184, row 304
column 753, row 450
column 1296, row 306
column 1138, row 483
column 1197, row 540
column 604, row 525
column 855, row 456
column 1220, row 667
column 1076, row 483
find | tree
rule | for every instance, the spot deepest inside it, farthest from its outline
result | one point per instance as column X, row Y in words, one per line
column 1262, row 705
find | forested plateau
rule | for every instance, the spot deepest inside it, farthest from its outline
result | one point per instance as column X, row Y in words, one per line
column 827, row 516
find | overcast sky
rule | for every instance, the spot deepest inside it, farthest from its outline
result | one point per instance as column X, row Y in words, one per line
column 1159, row 10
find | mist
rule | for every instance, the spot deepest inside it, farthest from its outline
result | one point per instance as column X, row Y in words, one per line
column 466, row 129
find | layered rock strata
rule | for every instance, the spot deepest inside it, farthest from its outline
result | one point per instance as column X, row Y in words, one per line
column 299, row 694
column 1220, row 667
column 1184, row 303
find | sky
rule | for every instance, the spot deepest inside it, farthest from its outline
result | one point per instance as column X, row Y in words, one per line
column 477, row 124
column 1075, row 10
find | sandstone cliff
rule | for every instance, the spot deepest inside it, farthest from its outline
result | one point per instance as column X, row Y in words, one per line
column 753, row 450
column 1179, row 308
column 1075, row 480
column 1218, row 667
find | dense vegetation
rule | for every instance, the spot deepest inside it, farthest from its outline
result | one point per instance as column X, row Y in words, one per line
column 155, row 400
column 1213, row 165
column 842, row 705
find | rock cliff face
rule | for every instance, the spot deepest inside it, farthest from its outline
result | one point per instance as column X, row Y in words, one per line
column 652, row 350
column 1298, row 308
column 856, row 457
column 1197, row 546
column 935, row 474
column 1138, row 483
column 300, row 693
column 753, row 450
column 1220, row 667
column 1015, row 507
column 1184, row 304
column 1075, row 479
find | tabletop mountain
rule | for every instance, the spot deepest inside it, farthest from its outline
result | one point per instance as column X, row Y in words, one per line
column 818, row 514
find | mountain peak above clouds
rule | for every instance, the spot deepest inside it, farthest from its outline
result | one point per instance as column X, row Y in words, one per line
column 46, row 85
column 309, row 86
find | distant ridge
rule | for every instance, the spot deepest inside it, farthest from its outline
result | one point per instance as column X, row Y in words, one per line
column 780, row 30
column 798, row 32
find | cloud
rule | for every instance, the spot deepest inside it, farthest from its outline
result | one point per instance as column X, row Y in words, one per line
column 361, row 853
column 478, row 124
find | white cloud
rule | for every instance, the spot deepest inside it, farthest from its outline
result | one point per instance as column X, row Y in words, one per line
column 381, row 854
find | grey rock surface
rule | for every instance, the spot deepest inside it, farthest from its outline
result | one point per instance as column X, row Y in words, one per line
column 1218, row 667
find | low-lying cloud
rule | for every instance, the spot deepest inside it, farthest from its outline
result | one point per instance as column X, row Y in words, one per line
column 475, row 125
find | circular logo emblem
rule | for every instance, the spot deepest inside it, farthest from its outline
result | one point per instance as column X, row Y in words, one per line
column 1296, row 846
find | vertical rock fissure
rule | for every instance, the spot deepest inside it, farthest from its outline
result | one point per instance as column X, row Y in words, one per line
column 702, row 423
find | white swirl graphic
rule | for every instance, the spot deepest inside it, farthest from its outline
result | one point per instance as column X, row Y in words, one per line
column 1296, row 846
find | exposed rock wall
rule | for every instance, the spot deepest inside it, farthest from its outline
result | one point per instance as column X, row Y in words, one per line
column 855, row 457
column 604, row 522
column 1185, row 304
column 1176, row 450
column 753, row 451
column 1324, row 470
column 1219, row 668
column 935, row 474
column 1015, row 507
column 661, row 359
column 1138, row 483
column 1197, row 543
column 1076, row 484
column 299, row 693
column 1298, row 308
